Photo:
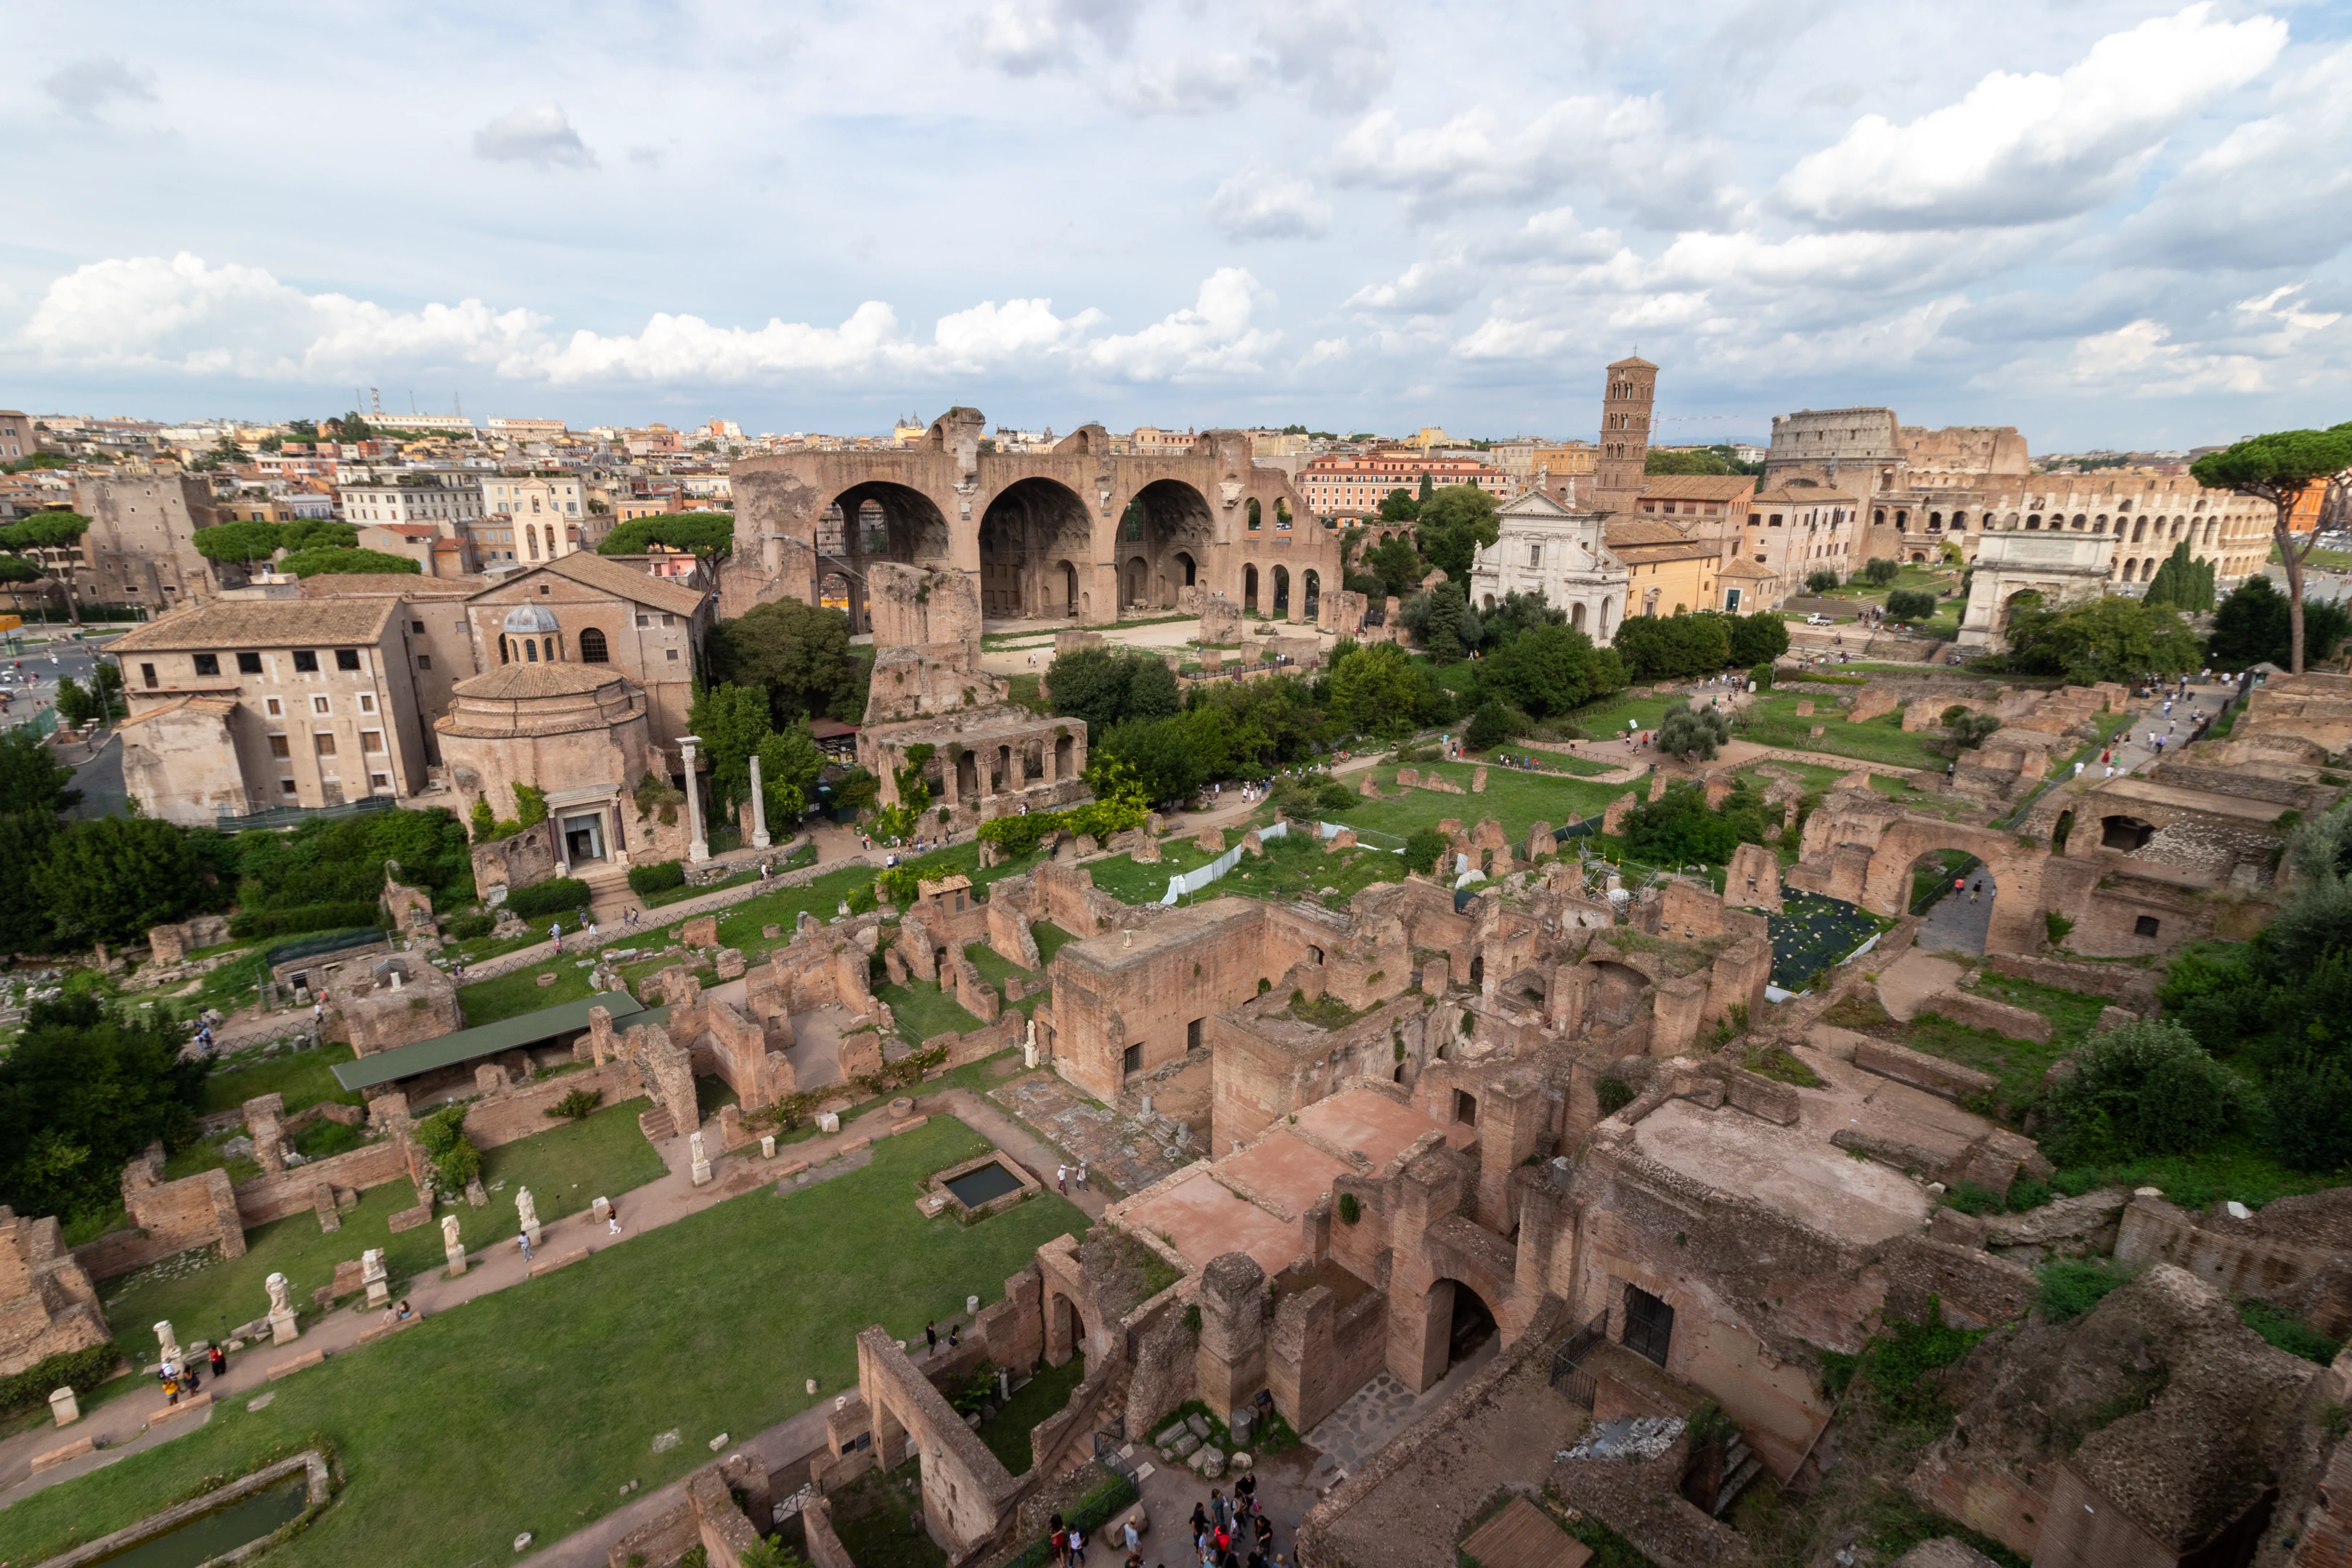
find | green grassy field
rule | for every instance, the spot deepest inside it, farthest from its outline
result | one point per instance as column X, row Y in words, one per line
column 565, row 1167
column 1514, row 798
column 304, row 1077
column 528, row 1408
column 923, row 1010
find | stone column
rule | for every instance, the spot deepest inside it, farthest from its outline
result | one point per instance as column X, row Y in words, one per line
column 453, row 1244
column 1231, row 1361
column 283, row 1328
column 700, row 1170
column 167, row 1342
column 697, row 848
column 375, row 1277
column 758, row 807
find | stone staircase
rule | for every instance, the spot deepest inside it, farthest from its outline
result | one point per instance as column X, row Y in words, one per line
column 1739, row 1468
column 657, row 1124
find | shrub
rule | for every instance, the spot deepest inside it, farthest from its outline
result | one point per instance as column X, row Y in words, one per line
column 1688, row 732
column 1423, row 848
column 1336, row 797
column 1879, row 570
column 1762, row 677
column 1911, row 605
column 467, row 927
column 1615, row 1094
column 553, row 897
column 900, row 886
column 80, row 1370
column 2145, row 1089
column 1969, row 728
column 580, row 1102
column 657, row 877
column 1820, row 582
column 343, row 915
column 456, row 1161
column 1350, row 1211
column 1494, row 722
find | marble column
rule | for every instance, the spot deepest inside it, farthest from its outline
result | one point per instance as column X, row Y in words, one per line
column 697, row 848
column 758, row 807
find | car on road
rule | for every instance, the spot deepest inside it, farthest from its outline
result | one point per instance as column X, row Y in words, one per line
column 1818, row 620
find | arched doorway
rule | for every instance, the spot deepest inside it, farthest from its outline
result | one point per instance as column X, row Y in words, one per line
column 1576, row 616
column 1282, row 590
column 1138, row 570
column 1066, row 578
column 1459, row 1330
column 1030, row 523
column 1952, row 892
column 1171, row 521
column 873, row 522
column 1189, row 568
column 1249, row 590
column 1312, row 584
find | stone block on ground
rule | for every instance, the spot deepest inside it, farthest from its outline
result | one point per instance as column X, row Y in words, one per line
column 701, row 932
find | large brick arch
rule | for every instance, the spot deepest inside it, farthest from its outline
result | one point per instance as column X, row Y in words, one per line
column 937, row 496
column 1853, row 825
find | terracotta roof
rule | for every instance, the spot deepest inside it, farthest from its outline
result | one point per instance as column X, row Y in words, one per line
column 1743, row 567
column 1632, row 361
column 1642, row 554
column 261, row 623
column 1804, row 495
column 595, row 572
column 1623, row 531
column 217, row 706
column 1696, row 486
column 509, row 682
column 393, row 584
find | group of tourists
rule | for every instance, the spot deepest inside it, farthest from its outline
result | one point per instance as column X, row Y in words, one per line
column 187, row 1377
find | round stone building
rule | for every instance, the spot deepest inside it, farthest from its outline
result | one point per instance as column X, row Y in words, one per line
column 576, row 731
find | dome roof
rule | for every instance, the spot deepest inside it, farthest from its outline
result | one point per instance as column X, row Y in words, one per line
column 530, row 620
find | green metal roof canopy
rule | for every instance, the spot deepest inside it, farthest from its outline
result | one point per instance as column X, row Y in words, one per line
column 482, row 1040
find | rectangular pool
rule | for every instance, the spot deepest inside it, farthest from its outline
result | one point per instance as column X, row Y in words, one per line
column 985, row 1184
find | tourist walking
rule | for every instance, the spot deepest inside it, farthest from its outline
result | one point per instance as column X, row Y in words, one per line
column 555, row 934
column 219, row 1362
column 612, row 1219
column 524, row 1238
column 1082, row 1173
column 931, row 1336
column 1078, row 1550
column 1062, row 1180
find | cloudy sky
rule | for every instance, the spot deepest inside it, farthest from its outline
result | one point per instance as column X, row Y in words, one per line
column 2109, row 223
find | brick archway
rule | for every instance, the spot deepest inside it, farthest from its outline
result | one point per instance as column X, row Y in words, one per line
column 2016, row 923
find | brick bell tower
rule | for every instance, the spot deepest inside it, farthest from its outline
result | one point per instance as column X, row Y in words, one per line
column 1626, row 403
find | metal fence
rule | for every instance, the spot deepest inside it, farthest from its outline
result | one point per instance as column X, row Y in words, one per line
column 1569, row 1374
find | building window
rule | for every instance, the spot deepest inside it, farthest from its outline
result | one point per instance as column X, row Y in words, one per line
column 321, row 705
column 423, row 661
column 278, row 746
column 644, row 620
column 147, row 674
column 2145, row 925
column 347, row 659
column 207, row 664
column 273, row 705
column 367, row 702
column 306, row 661
column 286, row 786
column 380, row 781
column 592, row 646
column 673, row 656
column 248, row 664
column 670, row 620
column 371, row 740
column 418, row 627
column 323, row 742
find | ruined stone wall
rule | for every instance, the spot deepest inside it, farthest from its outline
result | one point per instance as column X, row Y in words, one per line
column 266, row 1198
column 166, row 1218
column 47, row 1305
column 522, row 1112
column 516, row 862
column 966, row 1490
column 2313, row 1281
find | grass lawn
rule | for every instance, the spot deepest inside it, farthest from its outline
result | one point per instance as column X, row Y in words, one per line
column 1006, row 1432
column 304, row 1077
column 528, row 1408
column 1558, row 762
column 874, row 1516
column 923, row 1010
column 565, row 1167
column 1132, row 881
column 1516, row 799
column 1772, row 720
column 1050, row 940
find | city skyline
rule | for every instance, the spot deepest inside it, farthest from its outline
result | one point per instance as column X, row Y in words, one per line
column 2109, row 225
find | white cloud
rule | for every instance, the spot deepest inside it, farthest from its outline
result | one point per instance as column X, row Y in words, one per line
column 2021, row 149
column 1261, row 203
column 1620, row 145
column 2262, row 345
column 83, row 88
column 1332, row 47
column 188, row 317
column 1552, row 234
column 1435, row 287
column 1189, row 84
column 2275, row 192
column 539, row 135
column 1022, row 38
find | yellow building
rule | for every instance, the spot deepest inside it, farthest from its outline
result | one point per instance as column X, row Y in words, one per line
column 1668, row 574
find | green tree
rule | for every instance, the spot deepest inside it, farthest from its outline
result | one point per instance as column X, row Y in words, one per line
column 706, row 533
column 327, row 560
column 732, row 721
column 1421, row 495
column 1679, row 829
column 1449, row 630
column 1424, row 849
column 1518, row 613
column 1151, row 689
column 1879, row 571
column 1160, row 754
column 1552, row 670
column 1820, row 581
column 1454, row 523
column 2107, row 638
column 1494, row 722
column 1090, row 683
column 80, row 1094
column 1759, row 639
column 2253, row 625
column 1397, row 565
column 42, row 531
column 1685, row 732
column 800, row 654
column 1675, row 648
column 31, row 778
column 110, row 879
column 1910, row 604
column 1398, row 506
column 1373, row 690
column 1690, row 462
column 2281, row 468
column 790, row 765
column 2144, row 1089
column 241, row 540
column 2184, row 582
